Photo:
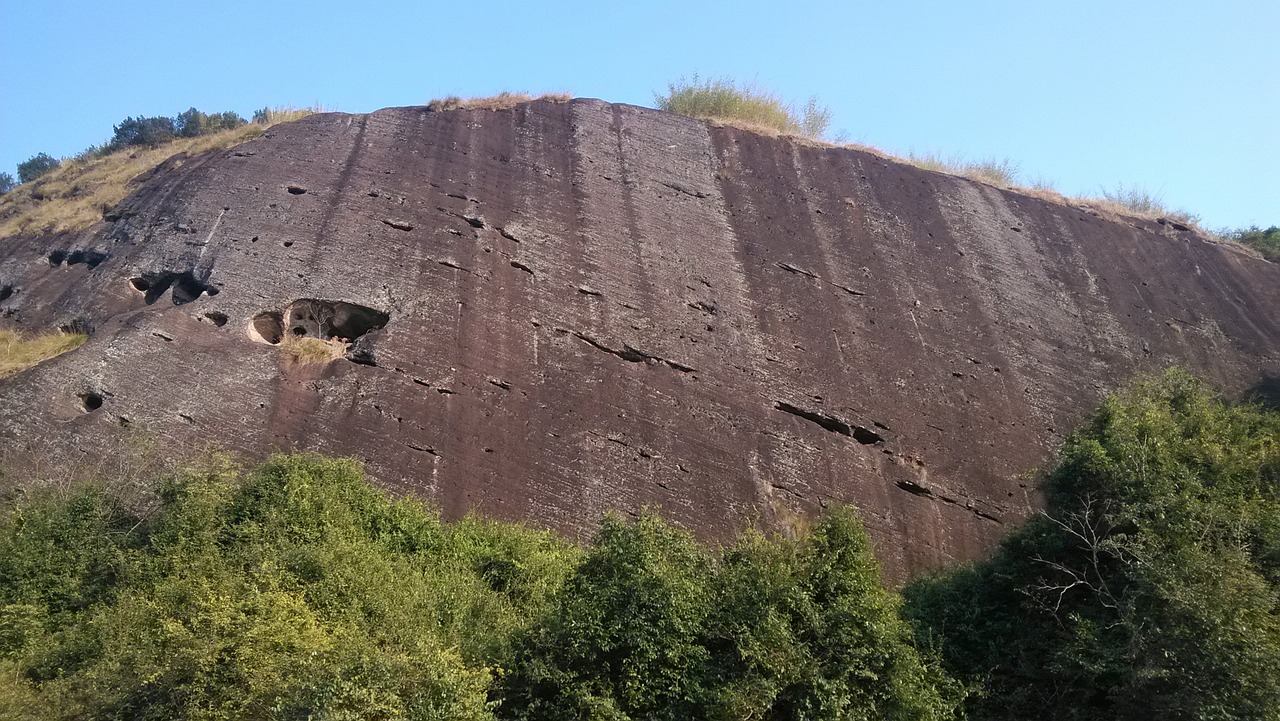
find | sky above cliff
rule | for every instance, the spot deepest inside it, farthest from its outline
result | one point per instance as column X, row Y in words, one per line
column 1180, row 98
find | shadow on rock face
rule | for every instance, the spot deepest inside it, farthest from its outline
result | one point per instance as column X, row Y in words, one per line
column 185, row 287
column 1265, row 392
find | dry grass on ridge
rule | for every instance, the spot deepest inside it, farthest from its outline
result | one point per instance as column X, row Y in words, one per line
column 20, row 351
column 501, row 101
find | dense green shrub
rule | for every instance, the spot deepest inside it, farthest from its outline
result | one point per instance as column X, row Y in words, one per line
column 653, row 627
column 299, row 591
column 1150, row 588
column 35, row 166
column 291, row 591
column 143, row 132
column 6, row 183
column 726, row 100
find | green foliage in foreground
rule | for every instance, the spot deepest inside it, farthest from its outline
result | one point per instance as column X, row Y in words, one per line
column 298, row 591
column 1150, row 588
column 726, row 100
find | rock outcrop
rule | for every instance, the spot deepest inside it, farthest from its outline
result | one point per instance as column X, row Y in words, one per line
column 561, row 309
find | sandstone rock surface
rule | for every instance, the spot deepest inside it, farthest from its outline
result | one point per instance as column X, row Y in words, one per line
column 562, row 309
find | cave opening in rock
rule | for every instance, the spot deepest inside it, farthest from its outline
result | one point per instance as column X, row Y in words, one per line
column 267, row 327
column 91, row 401
column 328, row 320
column 186, row 288
column 321, row 320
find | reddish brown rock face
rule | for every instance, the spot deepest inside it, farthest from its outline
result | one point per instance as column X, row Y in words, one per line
column 559, row 310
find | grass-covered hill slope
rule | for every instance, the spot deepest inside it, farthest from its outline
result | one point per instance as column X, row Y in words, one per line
column 72, row 194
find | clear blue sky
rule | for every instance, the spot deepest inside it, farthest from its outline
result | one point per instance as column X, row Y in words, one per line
column 1181, row 98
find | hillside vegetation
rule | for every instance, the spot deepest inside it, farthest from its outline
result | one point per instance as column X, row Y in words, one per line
column 72, row 194
column 1266, row 242
column 296, row 590
column 1149, row 588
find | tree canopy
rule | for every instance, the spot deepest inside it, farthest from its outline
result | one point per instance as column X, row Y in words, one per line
column 1149, row 587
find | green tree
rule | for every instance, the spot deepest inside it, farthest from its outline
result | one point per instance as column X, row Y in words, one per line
column 623, row 639
column 143, row 132
column 1149, row 587
column 805, row 630
column 653, row 627
column 192, row 123
column 35, row 166
column 6, row 183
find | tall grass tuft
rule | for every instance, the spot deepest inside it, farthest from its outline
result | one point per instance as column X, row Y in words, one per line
column 272, row 115
column 726, row 101
column 1136, row 200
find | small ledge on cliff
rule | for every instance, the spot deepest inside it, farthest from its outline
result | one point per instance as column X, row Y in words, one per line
column 828, row 422
column 631, row 355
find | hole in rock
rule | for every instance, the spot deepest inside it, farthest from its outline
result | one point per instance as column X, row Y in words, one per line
column 56, row 258
column 866, row 436
column 218, row 319
column 332, row 319
column 186, row 288
column 91, row 401
column 6, row 293
column 91, row 258
column 296, row 190
column 324, row 320
column 267, row 327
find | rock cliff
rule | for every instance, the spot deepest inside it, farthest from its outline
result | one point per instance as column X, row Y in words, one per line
column 561, row 309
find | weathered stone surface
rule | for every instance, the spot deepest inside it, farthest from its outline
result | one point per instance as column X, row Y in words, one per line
column 563, row 309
